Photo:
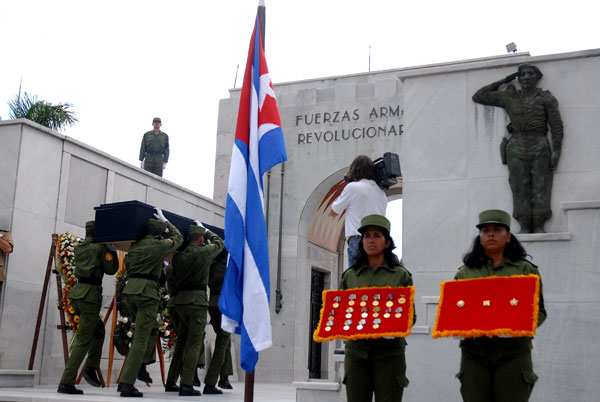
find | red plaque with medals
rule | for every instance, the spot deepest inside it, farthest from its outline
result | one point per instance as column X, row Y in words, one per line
column 372, row 312
column 489, row 306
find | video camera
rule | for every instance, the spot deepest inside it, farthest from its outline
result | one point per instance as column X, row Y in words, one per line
column 387, row 169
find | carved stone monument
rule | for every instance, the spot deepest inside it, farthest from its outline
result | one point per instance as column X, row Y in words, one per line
column 530, row 156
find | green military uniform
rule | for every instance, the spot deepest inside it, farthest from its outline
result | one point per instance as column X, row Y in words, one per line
column 498, row 369
column 191, row 269
column 91, row 261
column 144, row 263
column 154, row 151
column 220, row 364
column 375, row 365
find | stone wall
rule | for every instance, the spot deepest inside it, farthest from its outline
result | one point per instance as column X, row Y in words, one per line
column 50, row 184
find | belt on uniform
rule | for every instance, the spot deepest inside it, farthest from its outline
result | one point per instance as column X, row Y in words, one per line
column 90, row 281
column 531, row 133
column 145, row 276
column 155, row 152
column 191, row 287
column 352, row 237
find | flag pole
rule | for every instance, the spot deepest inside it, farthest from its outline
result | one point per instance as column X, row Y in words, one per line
column 249, row 382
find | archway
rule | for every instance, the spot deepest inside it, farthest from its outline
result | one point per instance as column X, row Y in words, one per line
column 325, row 249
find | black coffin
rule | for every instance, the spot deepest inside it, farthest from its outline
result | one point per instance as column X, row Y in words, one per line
column 125, row 222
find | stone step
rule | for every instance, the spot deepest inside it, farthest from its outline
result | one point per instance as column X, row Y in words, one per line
column 17, row 378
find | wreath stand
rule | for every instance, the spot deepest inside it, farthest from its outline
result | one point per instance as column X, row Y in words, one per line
column 63, row 327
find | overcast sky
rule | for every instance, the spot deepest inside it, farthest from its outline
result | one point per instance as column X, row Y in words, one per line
column 120, row 63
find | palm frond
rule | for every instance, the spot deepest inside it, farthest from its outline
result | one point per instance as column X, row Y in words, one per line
column 55, row 117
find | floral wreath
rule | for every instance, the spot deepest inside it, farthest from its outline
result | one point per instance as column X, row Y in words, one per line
column 65, row 255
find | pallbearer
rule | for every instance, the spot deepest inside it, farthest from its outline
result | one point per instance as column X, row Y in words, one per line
column 92, row 261
column 144, row 264
column 190, row 270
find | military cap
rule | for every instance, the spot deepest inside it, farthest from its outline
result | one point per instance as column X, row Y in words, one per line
column 494, row 216
column 156, row 120
column 197, row 229
column 374, row 220
column 156, row 226
column 89, row 226
column 534, row 68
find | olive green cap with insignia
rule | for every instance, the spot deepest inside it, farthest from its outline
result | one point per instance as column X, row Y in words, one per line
column 494, row 216
column 156, row 120
column 89, row 226
column 374, row 220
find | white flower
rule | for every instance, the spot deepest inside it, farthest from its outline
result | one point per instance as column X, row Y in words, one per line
column 129, row 334
column 167, row 297
column 124, row 320
column 167, row 333
column 129, row 344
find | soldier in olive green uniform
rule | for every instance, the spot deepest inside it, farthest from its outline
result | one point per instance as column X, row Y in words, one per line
column 220, row 364
column 154, row 152
column 191, row 268
column 497, row 369
column 144, row 264
column 92, row 261
column 375, row 365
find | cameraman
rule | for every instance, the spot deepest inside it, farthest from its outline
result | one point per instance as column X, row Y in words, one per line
column 361, row 197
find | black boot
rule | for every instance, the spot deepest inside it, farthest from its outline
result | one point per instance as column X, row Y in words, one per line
column 196, row 382
column 89, row 374
column 188, row 390
column 211, row 390
column 171, row 387
column 129, row 391
column 68, row 389
column 120, row 387
column 224, row 383
column 143, row 374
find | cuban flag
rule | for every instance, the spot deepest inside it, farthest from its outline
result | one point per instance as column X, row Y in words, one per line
column 258, row 146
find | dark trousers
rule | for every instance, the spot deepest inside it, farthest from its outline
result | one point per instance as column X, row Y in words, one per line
column 154, row 164
column 89, row 340
column 143, row 313
column 493, row 378
column 220, row 364
column 188, row 345
column 379, row 372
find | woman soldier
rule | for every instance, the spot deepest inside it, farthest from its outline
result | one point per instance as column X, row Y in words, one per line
column 375, row 365
column 497, row 369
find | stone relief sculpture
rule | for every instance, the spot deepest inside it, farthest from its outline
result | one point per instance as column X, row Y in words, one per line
column 530, row 152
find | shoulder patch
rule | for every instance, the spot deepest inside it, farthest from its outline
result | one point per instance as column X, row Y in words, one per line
column 108, row 256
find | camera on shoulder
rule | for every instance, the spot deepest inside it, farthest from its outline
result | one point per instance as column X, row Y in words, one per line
column 387, row 170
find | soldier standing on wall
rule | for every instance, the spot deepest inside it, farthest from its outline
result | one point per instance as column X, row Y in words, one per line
column 154, row 152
